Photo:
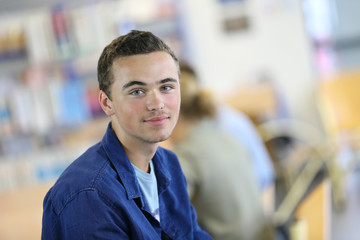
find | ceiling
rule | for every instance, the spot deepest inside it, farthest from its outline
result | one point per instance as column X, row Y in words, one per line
column 12, row 6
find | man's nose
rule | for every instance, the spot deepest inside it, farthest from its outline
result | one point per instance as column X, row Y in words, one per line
column 154, row 101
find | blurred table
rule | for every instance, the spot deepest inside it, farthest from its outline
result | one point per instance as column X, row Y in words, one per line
column 315, row 214
column 257, row 101
column 21, row 213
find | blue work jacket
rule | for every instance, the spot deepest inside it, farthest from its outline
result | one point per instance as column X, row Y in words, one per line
column 98, row 197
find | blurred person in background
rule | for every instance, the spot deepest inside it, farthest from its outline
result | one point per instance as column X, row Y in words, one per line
column 240, row 125
column 126, row 186
column 222, row 184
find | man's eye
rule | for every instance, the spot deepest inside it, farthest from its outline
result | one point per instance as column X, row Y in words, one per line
column 137, row 92
column 166, row 88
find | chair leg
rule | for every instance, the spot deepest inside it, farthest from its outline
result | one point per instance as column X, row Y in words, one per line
column 337, row 184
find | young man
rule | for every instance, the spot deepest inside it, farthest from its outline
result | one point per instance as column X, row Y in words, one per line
column 126, row 186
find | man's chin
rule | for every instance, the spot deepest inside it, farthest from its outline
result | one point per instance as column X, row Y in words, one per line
column 159, row 140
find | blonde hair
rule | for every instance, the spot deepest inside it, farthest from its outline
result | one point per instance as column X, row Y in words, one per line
column 196, row 102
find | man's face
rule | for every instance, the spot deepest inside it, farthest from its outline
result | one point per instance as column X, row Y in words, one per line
column 145, row 97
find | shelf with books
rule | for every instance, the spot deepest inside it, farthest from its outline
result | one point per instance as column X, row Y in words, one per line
column 52, row 92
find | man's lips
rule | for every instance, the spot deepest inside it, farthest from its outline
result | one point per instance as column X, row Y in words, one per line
column 157, row 121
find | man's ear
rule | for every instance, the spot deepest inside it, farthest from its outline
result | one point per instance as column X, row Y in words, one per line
column 106, row 103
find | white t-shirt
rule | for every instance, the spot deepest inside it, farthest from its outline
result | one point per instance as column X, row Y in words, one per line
column 148, row 186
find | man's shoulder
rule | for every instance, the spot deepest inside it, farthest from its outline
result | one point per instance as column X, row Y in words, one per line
column 164, row 152
column 166, row 156
column 168, row 161
column 84, row 174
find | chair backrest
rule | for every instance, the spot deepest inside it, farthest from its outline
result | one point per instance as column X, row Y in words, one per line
column 340, row 102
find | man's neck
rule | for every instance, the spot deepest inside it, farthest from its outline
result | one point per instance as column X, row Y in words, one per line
column 141, row 155
column 138, row 151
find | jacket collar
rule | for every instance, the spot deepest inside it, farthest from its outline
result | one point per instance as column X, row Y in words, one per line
column 162, row 174
column 117, row 157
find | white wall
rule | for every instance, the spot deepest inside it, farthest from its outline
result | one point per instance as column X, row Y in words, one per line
column 276, row 41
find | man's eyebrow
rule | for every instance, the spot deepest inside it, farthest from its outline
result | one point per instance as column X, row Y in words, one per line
column 132, row 83
column 168, row 80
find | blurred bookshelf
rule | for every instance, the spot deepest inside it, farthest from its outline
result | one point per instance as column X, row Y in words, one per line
column 49, row 111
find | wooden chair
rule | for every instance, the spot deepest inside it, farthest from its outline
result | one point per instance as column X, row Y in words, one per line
column 304, row 206
column 339, row 106
column 299, row 167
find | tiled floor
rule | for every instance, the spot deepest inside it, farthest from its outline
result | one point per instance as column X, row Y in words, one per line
column 346, row 223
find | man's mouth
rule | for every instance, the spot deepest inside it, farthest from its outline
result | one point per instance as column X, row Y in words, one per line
column 157, row 120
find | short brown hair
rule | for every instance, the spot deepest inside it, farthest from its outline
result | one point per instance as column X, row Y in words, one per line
column 133, row 43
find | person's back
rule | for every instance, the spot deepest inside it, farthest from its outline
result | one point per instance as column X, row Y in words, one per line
column 240, row 125
column 221, row 184
column 221, row 180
